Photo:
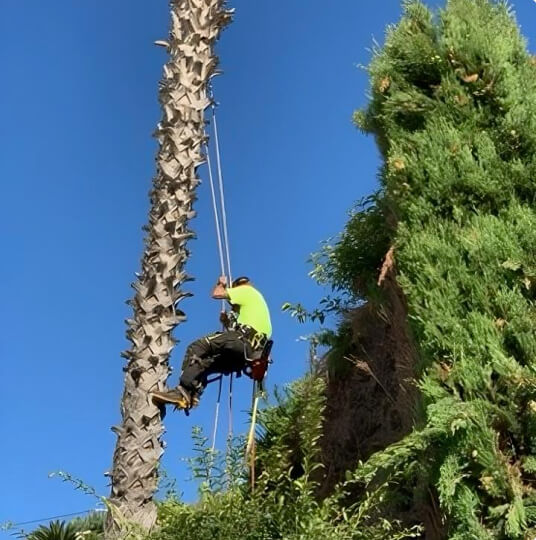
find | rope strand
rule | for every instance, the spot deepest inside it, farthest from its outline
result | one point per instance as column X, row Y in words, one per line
column 230, row 434
column 216, row 218
column 215, row 209
column 216, row 416
column 222, row 195
column 223, row 251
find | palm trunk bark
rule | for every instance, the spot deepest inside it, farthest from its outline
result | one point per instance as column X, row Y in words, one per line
column 195, row 27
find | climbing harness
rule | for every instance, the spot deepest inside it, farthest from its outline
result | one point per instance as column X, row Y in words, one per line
column 255, row 368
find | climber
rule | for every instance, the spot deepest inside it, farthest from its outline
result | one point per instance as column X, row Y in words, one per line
column 247, row 329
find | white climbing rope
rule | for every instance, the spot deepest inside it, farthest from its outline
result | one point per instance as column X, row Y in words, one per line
column 222, row 270
column 223, row 251
column 216, row 217
column 216, row 416
column 222, row 195
column 215, row 209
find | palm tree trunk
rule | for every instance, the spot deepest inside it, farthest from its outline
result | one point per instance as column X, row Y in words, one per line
column 195, row 27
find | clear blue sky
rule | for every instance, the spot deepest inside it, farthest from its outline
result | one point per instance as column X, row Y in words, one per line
column 78, row 106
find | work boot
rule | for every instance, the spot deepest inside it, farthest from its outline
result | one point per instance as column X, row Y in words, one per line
column 177, row 396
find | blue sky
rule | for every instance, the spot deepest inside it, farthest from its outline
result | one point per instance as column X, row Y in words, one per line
column 79, row 104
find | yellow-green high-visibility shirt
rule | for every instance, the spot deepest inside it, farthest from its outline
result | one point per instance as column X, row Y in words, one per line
column 253, row 308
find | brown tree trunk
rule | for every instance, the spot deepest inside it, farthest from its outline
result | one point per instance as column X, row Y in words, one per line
column 195, row 27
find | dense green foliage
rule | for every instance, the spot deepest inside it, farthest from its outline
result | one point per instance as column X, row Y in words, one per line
column 283, row 504
column 454, row 112
column 350, row 263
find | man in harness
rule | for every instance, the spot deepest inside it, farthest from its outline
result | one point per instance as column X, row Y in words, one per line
column 248, row 329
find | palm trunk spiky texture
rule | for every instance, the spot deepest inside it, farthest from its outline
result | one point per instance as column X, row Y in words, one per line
column 195, row 27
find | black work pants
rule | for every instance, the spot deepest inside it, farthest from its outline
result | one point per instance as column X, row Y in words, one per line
column 221, row 352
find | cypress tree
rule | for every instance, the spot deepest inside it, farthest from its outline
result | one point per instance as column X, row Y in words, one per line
column 453, row 109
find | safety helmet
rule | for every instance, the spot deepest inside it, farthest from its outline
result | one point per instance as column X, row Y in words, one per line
column 242, row 280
